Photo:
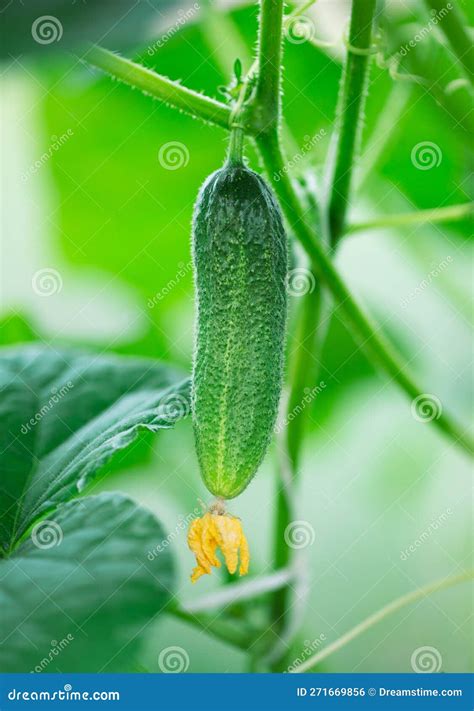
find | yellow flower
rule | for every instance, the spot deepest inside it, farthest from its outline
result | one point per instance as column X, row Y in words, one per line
column 218, row 530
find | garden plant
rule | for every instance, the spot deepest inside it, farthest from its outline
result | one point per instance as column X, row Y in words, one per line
column 90, row 574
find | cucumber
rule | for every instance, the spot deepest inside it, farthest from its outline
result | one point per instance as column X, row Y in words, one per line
column 240, row 266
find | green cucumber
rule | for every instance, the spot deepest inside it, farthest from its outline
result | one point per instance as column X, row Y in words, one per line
column 240, row 263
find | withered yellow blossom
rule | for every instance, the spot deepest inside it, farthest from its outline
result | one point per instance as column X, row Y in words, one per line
column 218, row 530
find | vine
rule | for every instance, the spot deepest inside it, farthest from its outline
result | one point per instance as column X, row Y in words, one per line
column 256, row 113
column 262, row 124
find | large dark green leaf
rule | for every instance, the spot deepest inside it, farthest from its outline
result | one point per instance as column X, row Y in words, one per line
column 63, row 414
column 77, row 592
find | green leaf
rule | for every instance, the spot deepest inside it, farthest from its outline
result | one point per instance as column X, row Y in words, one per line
column 238, row 70
column 78, row 591
column 63, row 415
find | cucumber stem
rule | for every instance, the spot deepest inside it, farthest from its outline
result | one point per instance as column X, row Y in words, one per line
column 218, row 506
column 236, row 146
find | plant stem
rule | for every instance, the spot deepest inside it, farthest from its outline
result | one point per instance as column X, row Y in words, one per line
column 265, row 109
column 160, row 87
column 237, row 121
column 366, row 334
column 238, row 592
column 309, row 338
column 214, row 627
column 380, row 615
column 451, row 213
column 350, row 111
column 236, row 146
column 454, row 26
column 301, row 376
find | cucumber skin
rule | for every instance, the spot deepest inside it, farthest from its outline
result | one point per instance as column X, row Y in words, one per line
column 240, row 267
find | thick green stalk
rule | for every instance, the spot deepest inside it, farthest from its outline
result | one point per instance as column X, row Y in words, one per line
column 350, row 112
column 369, row 338
column 451, row 213
column 380, row 615
column 160, row 87
column 265, row 109
column 236, row 146
column 303, row 373
column 264, row 114
column 455, row 28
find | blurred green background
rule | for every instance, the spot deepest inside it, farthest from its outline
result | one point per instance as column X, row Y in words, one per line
column 113, row 222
